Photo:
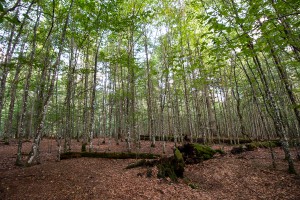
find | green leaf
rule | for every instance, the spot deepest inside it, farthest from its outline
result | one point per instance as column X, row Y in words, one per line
column 26, row 16
column 1, row 8
column 13, row 20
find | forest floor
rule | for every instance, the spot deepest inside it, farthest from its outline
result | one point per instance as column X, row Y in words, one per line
column 245, row 176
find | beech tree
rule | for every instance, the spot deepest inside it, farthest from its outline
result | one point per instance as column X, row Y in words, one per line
column 209, row 70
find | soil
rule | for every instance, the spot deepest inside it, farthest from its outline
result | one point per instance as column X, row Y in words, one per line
column 245, row 176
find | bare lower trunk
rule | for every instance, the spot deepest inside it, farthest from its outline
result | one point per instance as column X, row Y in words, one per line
column 35, row 152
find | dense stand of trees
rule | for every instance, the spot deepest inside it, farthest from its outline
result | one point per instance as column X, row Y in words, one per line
column 119, row 69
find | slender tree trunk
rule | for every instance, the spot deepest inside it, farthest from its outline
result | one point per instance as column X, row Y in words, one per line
column 71, row 71
column 149, row 92
column 42, row 107
column 26, row 92
column 236, row 95
column 93, row 98
column 8, row 125
column 274, row 110
column 5, row 70
column 12, row 43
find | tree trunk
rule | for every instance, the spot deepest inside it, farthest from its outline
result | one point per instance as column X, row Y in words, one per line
column 26, row 92
column 43, row 105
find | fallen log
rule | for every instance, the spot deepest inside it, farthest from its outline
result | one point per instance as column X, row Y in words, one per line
column 173, row 167
column 110, row 155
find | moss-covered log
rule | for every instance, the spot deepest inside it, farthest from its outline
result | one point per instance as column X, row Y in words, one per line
column 111, row 155
column 254, row 145
column 172, row 167
column 196, row 140
column 179, row 163
column 195, row 153
column 212, row 140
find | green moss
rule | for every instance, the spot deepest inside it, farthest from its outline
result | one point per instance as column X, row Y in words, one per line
column 167, row 168
column 194, row 153
column 178, row 163
column 254, row 145
column 178, row 155
column 266, row 144
column 203, row 151
column 172, row 167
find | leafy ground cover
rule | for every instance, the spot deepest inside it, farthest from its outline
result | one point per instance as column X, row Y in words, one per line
column 243, row 176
